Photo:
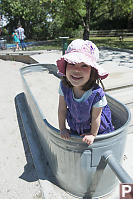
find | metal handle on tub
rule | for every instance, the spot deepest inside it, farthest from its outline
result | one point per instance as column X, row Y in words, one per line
column 117, row 168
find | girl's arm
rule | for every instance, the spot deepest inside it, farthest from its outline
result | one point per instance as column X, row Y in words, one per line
column 95, row 123
column 95, row 120
column 62, row 111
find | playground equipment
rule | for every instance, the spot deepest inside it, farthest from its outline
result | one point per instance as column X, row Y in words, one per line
column 64, row 44
column 86, row 171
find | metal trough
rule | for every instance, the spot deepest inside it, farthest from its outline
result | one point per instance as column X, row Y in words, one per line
column 85, row 171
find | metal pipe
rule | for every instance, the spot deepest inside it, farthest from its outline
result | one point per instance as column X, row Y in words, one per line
column 117, row 168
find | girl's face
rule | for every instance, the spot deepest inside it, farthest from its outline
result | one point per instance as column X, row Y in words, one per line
column 78, row 74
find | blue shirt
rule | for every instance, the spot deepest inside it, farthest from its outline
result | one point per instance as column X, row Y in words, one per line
column 101, row 103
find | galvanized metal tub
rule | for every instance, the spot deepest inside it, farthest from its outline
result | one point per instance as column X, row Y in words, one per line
column 79, row 168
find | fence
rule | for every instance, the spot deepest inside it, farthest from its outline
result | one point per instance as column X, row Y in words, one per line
column 112, row 33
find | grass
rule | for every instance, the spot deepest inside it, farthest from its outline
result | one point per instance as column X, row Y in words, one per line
column 45, row 47
column 112, row 42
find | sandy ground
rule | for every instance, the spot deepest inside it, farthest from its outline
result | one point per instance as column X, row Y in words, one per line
column 44, row 87
column 18, row 178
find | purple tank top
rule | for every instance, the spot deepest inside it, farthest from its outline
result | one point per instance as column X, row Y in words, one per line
column 79, row 113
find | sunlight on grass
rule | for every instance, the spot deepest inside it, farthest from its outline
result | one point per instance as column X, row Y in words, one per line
column 112, row 42
column 44, row 47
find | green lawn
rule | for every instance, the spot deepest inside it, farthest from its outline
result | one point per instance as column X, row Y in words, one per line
column 45, row 47
column 113, row 42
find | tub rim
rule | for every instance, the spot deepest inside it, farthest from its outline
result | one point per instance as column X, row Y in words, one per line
column 55, row 131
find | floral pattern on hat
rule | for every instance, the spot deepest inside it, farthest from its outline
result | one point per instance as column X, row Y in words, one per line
column 81, row 51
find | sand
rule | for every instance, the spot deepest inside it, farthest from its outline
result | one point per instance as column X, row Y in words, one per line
column 18, row 178
column 44, row 87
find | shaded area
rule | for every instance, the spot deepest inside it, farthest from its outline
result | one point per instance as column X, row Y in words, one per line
column 116, row 57
column 37, row 166
column 29, row 173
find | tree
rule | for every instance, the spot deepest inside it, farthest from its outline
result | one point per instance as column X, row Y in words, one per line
column 31, row 14
column 73, row 14
column 124, row 10
column 43, row 19
column 117, row 14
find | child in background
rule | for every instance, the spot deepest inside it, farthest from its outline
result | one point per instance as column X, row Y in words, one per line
column 82, row 101
column 16, row 39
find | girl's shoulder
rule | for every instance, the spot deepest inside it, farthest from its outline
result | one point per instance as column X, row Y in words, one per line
column 98, row 90
column 63, row 86
column 65, row 89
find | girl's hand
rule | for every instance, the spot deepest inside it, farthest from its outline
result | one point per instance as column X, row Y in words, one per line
column 88, row 139
column 65, row 134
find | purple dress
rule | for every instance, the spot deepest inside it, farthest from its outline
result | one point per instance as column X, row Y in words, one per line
column 79, row 113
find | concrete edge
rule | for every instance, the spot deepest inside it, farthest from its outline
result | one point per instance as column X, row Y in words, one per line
column 29, row 132
column 27, row 59
column 48, row 185
column 118, row 88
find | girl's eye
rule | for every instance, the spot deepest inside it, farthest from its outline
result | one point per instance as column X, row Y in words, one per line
column 84, row 66
column 70, row 64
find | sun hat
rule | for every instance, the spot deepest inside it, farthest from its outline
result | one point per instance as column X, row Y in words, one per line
column 80, row 51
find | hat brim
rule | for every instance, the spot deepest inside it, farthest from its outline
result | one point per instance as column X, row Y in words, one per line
column 77, row 57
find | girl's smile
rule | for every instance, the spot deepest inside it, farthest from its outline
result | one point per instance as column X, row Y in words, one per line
column 78, row 74
column 75, row 78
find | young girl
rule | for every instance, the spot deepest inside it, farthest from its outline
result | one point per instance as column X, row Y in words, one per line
column 82, row 101
column 16, row 39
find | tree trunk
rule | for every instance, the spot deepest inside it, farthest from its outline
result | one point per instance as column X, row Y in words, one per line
column 86, row 34
column 87, row 21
